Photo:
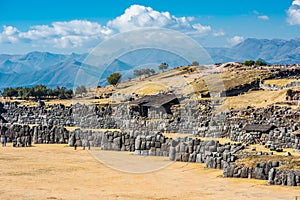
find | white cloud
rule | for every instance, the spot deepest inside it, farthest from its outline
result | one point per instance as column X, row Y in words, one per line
column 137, row 16
column 235, row 40
column 9, row 34
column 263, row 17
column 191, row 18
column 84, row 33
column 10, row 30
column 260, row 15
column 67, row 34
column 38, row 32
column 200, row 28
column 294, row 13
column 73, row 33
column 219, row 33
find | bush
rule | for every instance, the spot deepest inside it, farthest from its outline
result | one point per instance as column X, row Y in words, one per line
column 260, row 63
column 163, row 66
column 140, row 72
column 114, row 78
column 80, row 90
column 249, row 62
column 38, row 92
column 195, row 63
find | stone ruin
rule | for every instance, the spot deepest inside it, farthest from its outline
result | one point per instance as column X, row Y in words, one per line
column 191, row 117
column 273, row 126
column 293, row 95
column 210, row 152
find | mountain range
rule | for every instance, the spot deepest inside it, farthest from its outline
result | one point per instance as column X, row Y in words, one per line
column 275, row 51
column 55, row 70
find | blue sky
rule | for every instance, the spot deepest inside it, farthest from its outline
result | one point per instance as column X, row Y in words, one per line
column 77, row 26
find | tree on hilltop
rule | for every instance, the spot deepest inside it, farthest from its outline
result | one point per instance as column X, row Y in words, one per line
column 80, row 90
column 37, row 92
column 137, row 72
column 261, row 63
column 163, row 66
column 256, row 63
column 114, row 78
column 195, row 63
column 249, row 62
column 146, row 72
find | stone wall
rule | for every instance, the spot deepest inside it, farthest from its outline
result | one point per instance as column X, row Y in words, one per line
column 264, row 171
column 210, row 152
column 60, row 115
column 241, row 89
column 284, row 177
column 277, row 138
column 286, row 121
column 265, row 86
column 192, row 117
column 25, row 136
column 260, row 171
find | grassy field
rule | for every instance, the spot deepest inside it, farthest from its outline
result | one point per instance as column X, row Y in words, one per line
column 186, row 80
column 71, row 128
column 258, row 98
column 66, row 102
column 293, row 161
column 189, row 80
column 250, row 161
column 60, row 172
column 280, row 82
column 237, row 78
column 177, row 135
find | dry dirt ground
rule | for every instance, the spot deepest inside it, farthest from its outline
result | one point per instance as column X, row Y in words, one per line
column 60, row 172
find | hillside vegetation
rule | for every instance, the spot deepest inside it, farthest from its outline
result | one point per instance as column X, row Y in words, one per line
column 195, row 82
column 191, row 80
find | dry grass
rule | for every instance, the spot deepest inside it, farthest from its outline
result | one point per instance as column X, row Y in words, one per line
column 262, row 148
column 150, row 88
column 184, row 80
column 237, row 78
column 280, row 82
column 256, row 99
column 66, row 102
column 71, row 128
column 87, row 101
column 251, row 161
column 189, row 80
column 293, row 164
column 221, row 140
column 203, row 81
column 59, row 172
column 155, row 83
column 177, row 135
column 23, row 102
column 180, row 135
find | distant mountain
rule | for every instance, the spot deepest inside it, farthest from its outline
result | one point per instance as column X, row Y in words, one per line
column 55, row 70
column 61, row 74
column 62, row 70
column 33, row 61
column 143, row 58
column 273, row 51
column 38, row 68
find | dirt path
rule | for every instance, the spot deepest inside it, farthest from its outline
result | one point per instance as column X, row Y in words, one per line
column 59, row 172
